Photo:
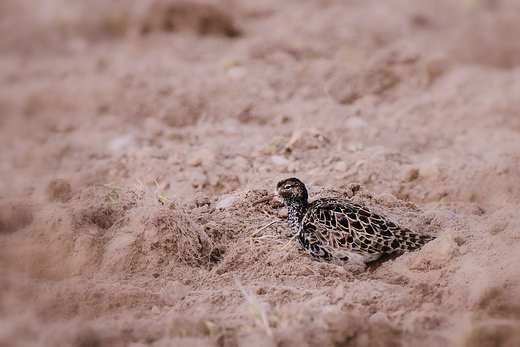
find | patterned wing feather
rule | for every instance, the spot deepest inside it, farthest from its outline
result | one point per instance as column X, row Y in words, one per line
column 339, row 228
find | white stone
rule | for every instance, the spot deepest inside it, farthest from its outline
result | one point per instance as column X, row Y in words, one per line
column 341, row 166
column 241, row 162
column 356, row 123
column 227, row 202
column 279, row 160
column 379, row 318
column 121, row 142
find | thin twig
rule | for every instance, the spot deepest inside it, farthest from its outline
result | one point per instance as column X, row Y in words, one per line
column 287, row 244
column 157, row 184
column 265, row 212
column 266, row 237
column 261, row 229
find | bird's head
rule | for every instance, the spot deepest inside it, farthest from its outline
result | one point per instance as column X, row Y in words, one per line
column 288, row 191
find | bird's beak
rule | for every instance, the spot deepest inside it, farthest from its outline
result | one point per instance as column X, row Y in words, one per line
column 266, row 198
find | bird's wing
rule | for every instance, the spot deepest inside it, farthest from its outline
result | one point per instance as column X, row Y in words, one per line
column 343, row 225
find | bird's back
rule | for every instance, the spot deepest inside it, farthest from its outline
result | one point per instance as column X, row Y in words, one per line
column 338, row 229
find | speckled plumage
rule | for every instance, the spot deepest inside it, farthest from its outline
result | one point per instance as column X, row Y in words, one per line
column 334, row 229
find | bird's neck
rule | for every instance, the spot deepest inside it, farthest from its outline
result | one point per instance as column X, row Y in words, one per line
column 295, row 211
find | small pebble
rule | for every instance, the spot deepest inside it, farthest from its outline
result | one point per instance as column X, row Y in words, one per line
column 197, row 179
column 279, row 160
column 340, row 269
column 205, row 157
column 121, row 142
column 226, row 202
column 282, row 213
column 379, row 318
column 241, row 162
column 341, row 166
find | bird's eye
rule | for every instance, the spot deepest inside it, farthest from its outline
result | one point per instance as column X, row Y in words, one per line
column 287, row 186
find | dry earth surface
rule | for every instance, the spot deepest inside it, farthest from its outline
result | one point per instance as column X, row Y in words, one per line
column 134, row 136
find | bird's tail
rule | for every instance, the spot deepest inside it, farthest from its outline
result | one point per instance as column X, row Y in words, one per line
column 412, row 240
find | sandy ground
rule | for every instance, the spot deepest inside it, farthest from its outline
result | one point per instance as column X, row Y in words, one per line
column 134, row 136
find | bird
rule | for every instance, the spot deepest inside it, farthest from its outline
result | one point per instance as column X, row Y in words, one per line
column 340, row 231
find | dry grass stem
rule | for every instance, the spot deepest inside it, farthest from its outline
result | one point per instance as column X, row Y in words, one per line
column 255, row 233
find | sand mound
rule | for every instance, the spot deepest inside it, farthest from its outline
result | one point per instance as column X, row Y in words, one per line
column 107, row 229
